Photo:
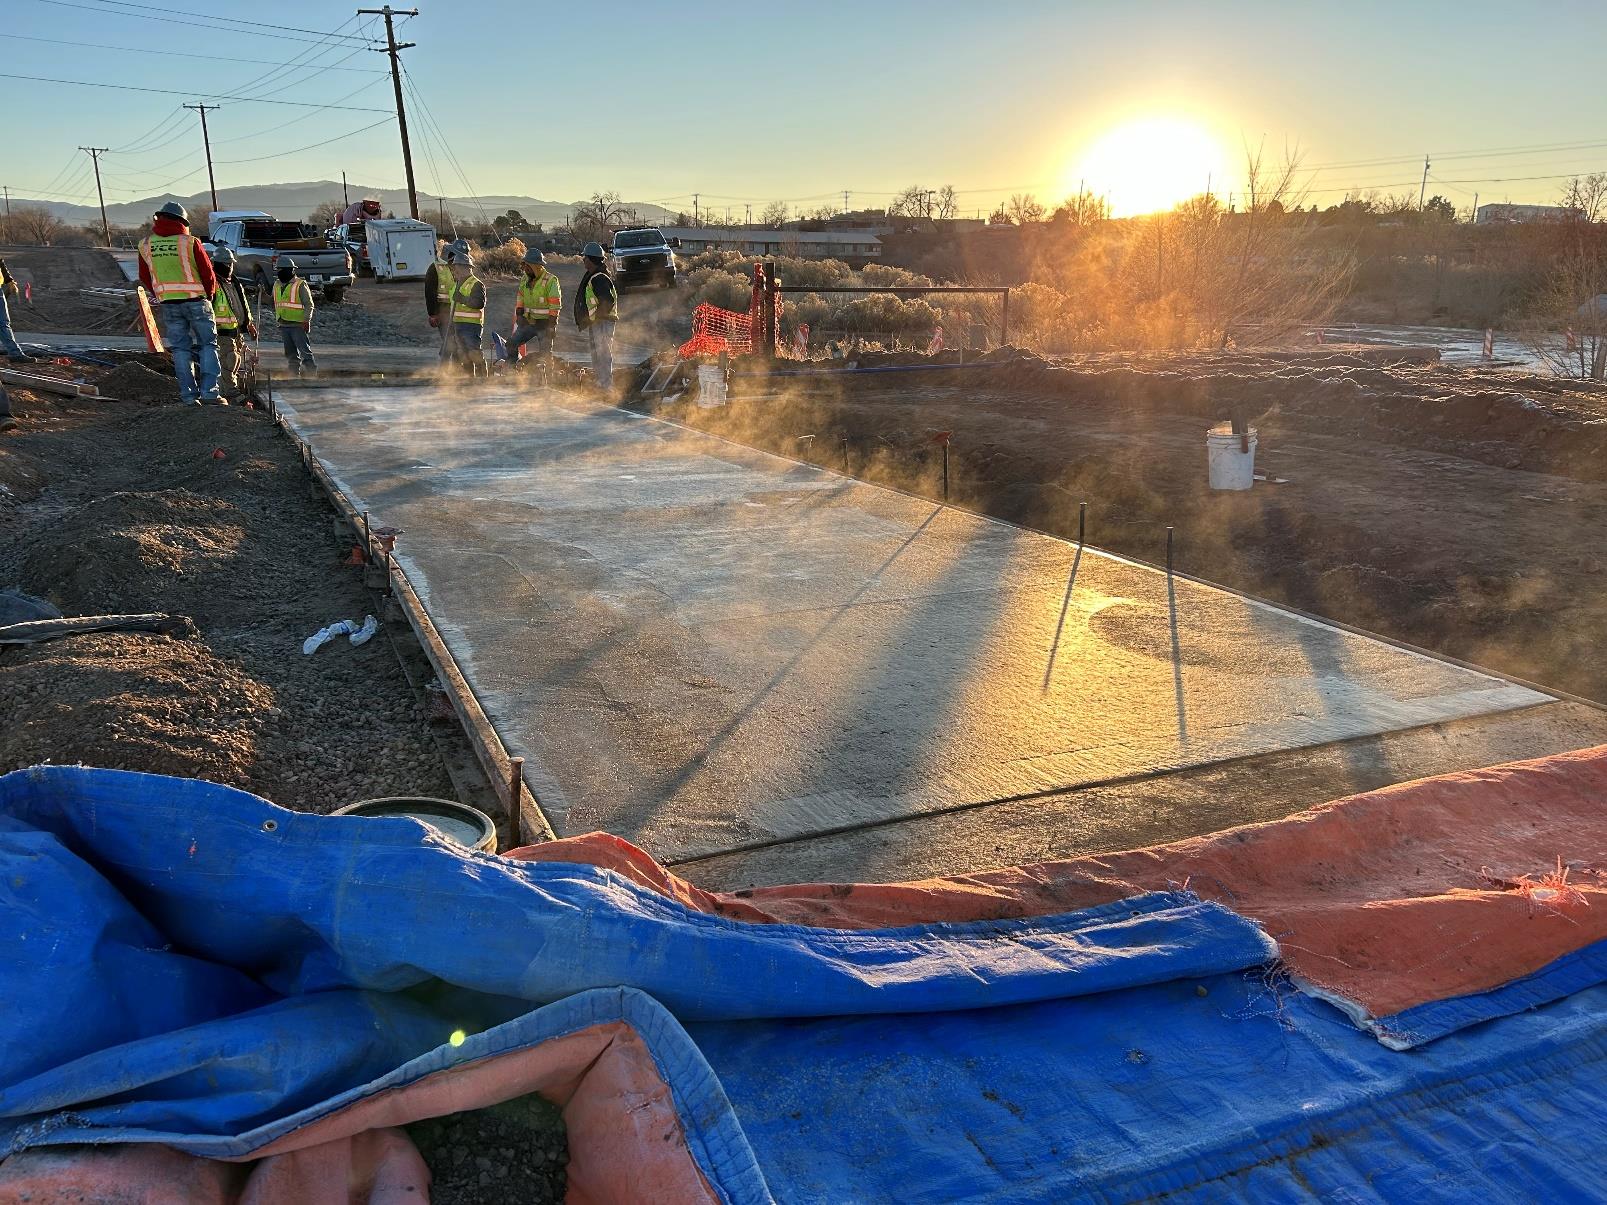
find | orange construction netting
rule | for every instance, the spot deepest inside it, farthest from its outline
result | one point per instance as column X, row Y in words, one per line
column 715, row 330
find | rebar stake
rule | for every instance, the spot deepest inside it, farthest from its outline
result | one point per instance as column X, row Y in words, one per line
column 368, row 540
column 945, row 470
column 516, row 780
column 1168, row 552
column 1082, row 521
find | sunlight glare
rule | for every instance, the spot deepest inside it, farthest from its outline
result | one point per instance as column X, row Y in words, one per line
column 1151, row 164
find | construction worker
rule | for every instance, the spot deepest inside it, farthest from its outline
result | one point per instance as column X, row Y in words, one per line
column 536, row 309
column 438, row 298
column 596, row 313
column 176, row 270
column 468, row 312
column 292, row 306
column 236, row 323
column 8, row 341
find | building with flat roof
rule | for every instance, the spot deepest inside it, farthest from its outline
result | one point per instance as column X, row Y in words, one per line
column 853, row 247
column 1523, row 213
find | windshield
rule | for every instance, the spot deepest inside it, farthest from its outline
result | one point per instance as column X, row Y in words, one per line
column 638, row 238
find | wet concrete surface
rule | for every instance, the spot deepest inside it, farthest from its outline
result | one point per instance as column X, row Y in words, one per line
column 720, row 654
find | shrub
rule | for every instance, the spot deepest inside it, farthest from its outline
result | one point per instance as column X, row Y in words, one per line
column 503, row 260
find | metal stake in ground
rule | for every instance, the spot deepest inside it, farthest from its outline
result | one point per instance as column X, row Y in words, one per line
column 368, row 539
column 516, row 782
column 1082, row 521
column 1168, row 552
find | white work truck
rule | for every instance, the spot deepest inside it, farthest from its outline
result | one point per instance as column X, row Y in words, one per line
column 390, row 248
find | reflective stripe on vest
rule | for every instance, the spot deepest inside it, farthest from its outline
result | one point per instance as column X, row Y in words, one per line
column 228, row 320
column 288, row 305
column 593, row 304
column 171, row 260
column 460, row 302
column 541, row 297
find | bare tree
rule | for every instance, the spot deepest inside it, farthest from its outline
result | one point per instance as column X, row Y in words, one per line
column 40, row 227
column 775, row 215
column 1024, row 208
column 1587, row 195
column 913, row 202
column 326, row 214
column 945, row 203
column 597, row 219
column 1084, row 209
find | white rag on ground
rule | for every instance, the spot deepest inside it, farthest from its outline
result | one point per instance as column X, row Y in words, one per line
column 358, row 634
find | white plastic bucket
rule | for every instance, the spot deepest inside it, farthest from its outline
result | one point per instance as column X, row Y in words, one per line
column 1229, row 466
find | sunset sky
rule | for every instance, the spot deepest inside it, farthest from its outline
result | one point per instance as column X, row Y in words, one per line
column 750, row 104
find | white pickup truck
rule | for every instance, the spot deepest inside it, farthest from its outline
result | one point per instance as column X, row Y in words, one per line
column 259, row 243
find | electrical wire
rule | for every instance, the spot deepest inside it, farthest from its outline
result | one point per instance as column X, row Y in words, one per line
column 280, row 32
column 446, row 146
column 40, row 79
column 309, row 146
column 180, row 54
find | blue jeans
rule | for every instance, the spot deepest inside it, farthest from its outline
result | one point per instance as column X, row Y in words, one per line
column 601, row 335
column 8, row 341
column 537, row 334
column 298, row 347
column 191, row 331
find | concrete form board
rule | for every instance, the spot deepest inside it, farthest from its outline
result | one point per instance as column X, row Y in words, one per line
column 705, row 648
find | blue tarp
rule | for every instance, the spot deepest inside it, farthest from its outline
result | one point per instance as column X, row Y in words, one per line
column 188, row 964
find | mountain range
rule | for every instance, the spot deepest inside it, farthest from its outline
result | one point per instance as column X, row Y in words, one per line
column 297, row 201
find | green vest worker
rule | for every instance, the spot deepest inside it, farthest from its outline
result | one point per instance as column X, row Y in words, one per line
column 468, row 312
column 438, row 296
column 232, row 311
column 175, row 269
column 292, row 306
column 596, row 313
column 536, row 309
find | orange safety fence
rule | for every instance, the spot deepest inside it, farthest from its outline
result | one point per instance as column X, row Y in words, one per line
column 1423, row 891
column 715, row 330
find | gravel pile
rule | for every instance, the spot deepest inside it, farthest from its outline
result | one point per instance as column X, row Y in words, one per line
column 510, row 1154
column 139, row 513
column 133, row 382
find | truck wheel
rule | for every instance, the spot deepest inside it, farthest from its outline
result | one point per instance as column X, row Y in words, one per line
column 264, row 282
column 333, row 294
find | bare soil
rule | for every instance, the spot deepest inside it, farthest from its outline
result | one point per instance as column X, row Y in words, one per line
column 57, row 273
column 109, row 506
column 1455, row 510
column 514, row 1153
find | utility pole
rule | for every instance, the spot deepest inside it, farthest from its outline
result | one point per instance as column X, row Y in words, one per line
column 845, row 200
column 1423, row 189
column 95, row 152
column 393, row 48
column 695, row 222
column 748, row 214
column 207, row 141
column 345, row 196
column 8, row 202
column 1475, row 209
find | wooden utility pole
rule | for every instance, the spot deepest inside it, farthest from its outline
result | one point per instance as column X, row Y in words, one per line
column 393, row 48
column 8, row 202
column 206, row 140
column 1422, row 191
column 345, row 196
column 95, row 152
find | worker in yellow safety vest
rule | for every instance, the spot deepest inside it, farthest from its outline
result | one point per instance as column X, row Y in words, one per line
column 175, row 268
column 597, row 313
column 536, row 308
column 292, row 307
column 236, row 323
column 438, row 295
column 468, row 312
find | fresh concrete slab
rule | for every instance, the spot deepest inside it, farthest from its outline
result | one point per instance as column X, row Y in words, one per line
column 707, row 649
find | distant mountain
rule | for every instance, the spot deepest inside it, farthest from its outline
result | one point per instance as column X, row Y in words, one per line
column 297, row 201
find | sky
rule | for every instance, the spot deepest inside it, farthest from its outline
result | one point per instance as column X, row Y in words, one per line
column 749, row 104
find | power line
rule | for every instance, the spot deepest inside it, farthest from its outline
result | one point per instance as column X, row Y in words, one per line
column 282, row 32
column 40, row 79
column 312, row 145
column 94, row 153
column 443, row 142
column 373, row 83
column 394, row 49
column 179, row 54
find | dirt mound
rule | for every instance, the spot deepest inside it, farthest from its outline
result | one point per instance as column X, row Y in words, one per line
column 163, row 550
column 133, row 703
column 133, row 382
column 514, row 1152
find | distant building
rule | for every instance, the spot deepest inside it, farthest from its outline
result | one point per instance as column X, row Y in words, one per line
column 1523, row 213
column 854, row 247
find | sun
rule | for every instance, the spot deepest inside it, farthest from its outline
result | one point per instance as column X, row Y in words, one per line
column 1150, row 165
